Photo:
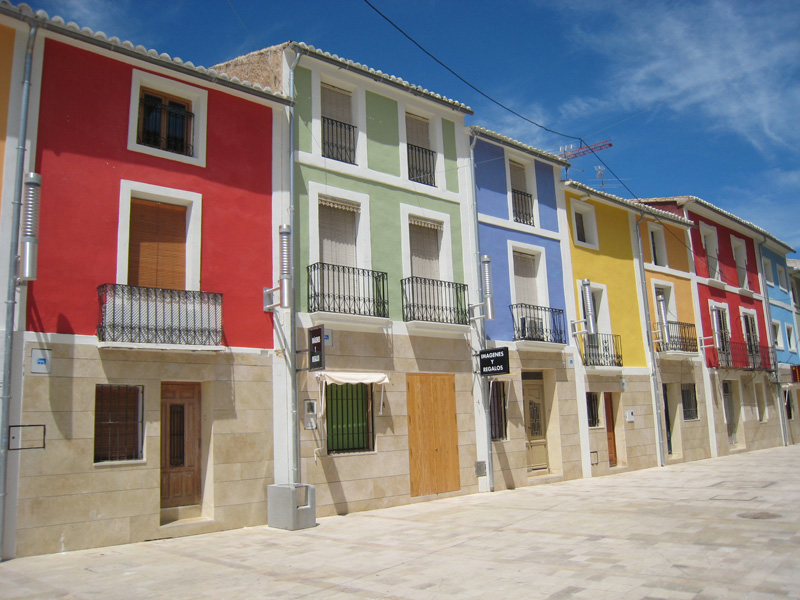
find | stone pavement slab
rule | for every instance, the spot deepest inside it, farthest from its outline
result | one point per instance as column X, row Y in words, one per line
column 721, row 528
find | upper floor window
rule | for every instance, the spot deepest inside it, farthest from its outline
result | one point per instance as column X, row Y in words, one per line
column 777, row 334
column 740, row 258
column 338, row 131
column 782, row 278
column 658, row 245
column 790, row 338
column 157, row 245
column 768, row 275
column 710, row 244
column 521, row 200
column 167, row 119
column 337, row 232
column 584, row 225
column 525, row 284
column 421, row 159
column 425, row 239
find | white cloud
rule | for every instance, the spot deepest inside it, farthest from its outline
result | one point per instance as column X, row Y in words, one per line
column 731, row 64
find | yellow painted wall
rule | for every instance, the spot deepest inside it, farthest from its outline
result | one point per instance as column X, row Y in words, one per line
column 613, row 266
column 682, row 289
column 676, row 242
column 6, row 62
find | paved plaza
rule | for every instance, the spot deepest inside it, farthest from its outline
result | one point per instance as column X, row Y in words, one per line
column 721, row 528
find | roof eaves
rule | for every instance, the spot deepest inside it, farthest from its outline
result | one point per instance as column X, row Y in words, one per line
column 512, row 143
column 23, row 12
column 639, row 206
column 392, row 80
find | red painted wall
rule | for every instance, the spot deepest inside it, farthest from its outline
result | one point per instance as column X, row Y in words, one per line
column 82, row 156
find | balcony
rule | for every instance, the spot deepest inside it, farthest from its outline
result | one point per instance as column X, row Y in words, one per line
column 522, row 207
column 434, row 301
column 741, row 355
column 143, row 315
column 338, row 140
column 539, row 324
column 600, row 349
column 682, row 337
column 421, row 165
column 347, row 290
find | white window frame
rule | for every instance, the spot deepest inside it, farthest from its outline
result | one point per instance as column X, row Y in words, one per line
column 672, row 304
column 749, row 311
column 769, row 277
column 589, row 224
column 660, row 241
column 435, row 143
column 530, row 187
column 199, row 100
column 719, row 305
column 777, row 331
column 782, row 279
column 538, row 252
column 363, row 245
column 738, row 246
column 709, row 233
column 156, row 193
column 791, row 340
column 408, row 211
column 603, row 313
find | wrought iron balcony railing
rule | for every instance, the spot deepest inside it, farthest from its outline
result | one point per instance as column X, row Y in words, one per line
column 522, row 207
column 680, row 337
column 347, row 290
column 434, row 300
column 600, row 349
column 157, row 316
column 421, row 165
column 539, row 323
column 338, row 140
column 750, row 356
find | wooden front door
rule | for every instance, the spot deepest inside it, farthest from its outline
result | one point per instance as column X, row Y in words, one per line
column 535, row 425
column 612, row 438
column 180, row 444
column 432, row 434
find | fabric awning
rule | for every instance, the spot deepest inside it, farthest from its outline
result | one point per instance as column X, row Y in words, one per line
column 342, row 377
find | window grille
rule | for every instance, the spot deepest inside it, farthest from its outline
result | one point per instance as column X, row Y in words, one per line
column 593, row 408
column 118, row 422
column 689, row 400
column 349, row 418
column 165, row 122
column 497, row 410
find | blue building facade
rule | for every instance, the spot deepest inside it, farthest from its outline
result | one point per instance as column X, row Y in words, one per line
column 778, row 289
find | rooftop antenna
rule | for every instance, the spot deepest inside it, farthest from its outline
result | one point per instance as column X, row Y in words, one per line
column 600, row 175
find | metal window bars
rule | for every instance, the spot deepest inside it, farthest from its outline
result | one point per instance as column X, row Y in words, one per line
column 522, row 207
column 600, row 349
column 539, row 323
column 347, row 290
column 421, row 165
column 435, row 301
column 165, row 126
column 338, row 140
column 680, row 337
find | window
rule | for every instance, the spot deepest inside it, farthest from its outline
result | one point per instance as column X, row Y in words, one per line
column 768, row 276
column 337, row 232
column 710, row 244
column 777, row 335
column 761, row 404
column 349, row 420
column 658, row 245
column 521, row 201
column 584, row 224
column 167, row 119
column 497, row 410
column 338, row 131
column 789, row 403
column 593, row 408
column 689, row 398
column 118, row 422
column 740, row 258
column 421, row 159
column 525, row 278
column 719, row 322
column 424, row 240
column 790, row 339
column 782, row 278
column 157, row 245
column 750, row 331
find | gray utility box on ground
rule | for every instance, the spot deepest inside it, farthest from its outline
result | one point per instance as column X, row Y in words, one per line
column 291, row 506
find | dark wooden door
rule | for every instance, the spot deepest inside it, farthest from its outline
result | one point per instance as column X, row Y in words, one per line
column 432, row 434
column 612, row 438
column 180, row 444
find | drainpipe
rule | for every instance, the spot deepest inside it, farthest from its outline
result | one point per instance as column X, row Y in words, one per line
column 650, row 346
column 292, row 350
column 782, row 408
column 485, row 400
column 11, row 299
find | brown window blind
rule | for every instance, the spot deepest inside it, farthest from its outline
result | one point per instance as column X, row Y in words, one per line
column 157, row 251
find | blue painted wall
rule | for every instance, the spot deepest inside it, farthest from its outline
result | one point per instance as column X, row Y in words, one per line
column 782, row 296
column 546, row 191
column 490, row 179
column 494, row 242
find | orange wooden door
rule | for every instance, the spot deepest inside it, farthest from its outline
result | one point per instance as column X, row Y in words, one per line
column 432, row 434
column 612, row 438
column 180, row 444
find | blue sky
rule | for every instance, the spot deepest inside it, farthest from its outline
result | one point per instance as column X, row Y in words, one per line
column 699, row 98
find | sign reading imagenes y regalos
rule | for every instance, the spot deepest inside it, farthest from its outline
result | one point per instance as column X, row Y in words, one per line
column 494, row 361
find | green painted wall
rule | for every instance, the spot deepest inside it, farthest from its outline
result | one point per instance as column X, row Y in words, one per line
column 385, row 228
column 302, row 111
column 383, row 134
column 450, row 155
